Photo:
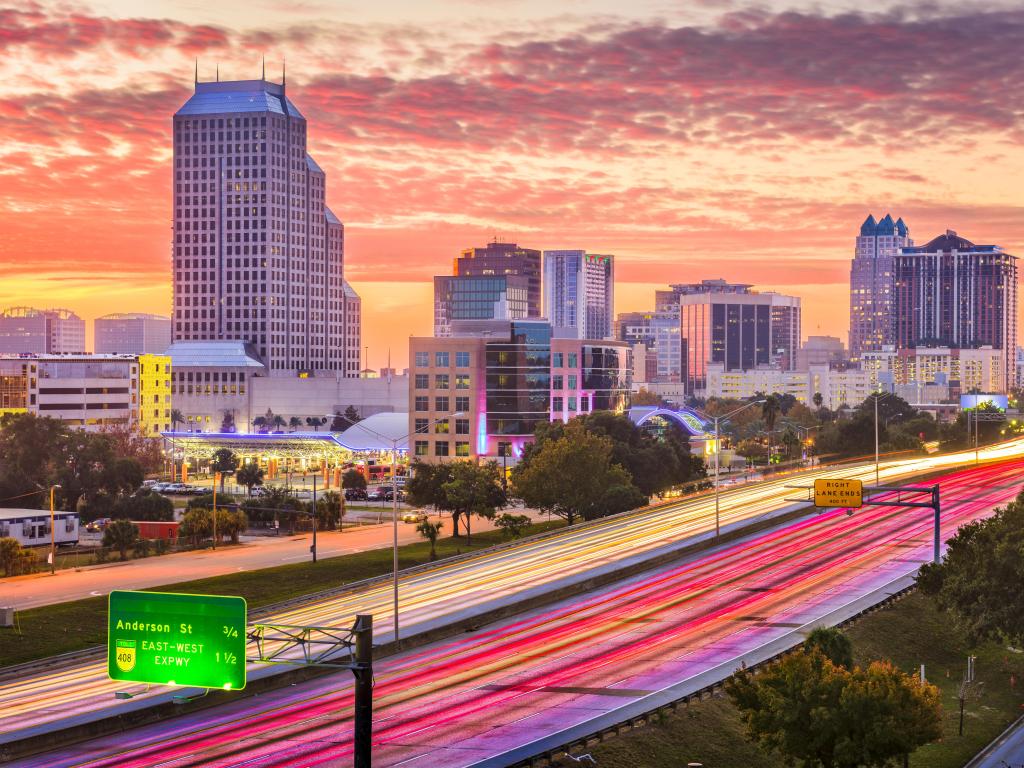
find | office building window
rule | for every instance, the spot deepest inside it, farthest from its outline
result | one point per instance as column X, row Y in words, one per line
column 556, row 359
column 585, row 404
column 422, row 426
column 462, row 381
column 441, row 404
column 462, row 426
column 441, row 448
column 572, row 403
column 462, row 359
column 422, row 381
column 441, row 427
column 557, row 404
column 572, row 360
column 422, row 359
column 461, row 403
column 556, row 381
column 422, row 447
column 461, row 449
column 441, row 361
column 422, row 403
column 572, row 381
column 441, row 381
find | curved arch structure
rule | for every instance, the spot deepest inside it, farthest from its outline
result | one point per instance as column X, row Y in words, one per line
column 684, row 417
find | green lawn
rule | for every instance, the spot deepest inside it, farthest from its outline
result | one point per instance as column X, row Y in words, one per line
column 81, row 624
column 909, row 633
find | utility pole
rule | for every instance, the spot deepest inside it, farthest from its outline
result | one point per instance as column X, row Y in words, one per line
column 363, row 671
column 313, row 548
column 216, row 480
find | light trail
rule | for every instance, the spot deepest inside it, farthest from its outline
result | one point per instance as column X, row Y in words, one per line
column 476, row 583
column 461, row 700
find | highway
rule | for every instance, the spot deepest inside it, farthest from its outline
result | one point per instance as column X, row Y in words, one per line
column 463, row 701
column 49, row 695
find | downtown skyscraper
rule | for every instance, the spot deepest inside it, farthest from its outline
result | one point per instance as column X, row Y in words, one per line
column 871, row 284
column 579, row 294
column 257, row 254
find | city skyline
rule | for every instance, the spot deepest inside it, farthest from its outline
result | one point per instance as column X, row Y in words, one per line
column 426, row 128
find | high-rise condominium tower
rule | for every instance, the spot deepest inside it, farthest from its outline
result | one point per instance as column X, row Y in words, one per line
column 871, row 284
column 579, row 294
column 258, row 256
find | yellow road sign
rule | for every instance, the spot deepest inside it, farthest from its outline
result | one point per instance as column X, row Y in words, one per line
column 838, row 493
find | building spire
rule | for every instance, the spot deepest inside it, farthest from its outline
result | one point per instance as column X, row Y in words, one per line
column 263, row 71
column 218, row 71
column 197, row 72
column 283, row 63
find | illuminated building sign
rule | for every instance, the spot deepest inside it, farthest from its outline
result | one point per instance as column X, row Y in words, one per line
column 173, row 639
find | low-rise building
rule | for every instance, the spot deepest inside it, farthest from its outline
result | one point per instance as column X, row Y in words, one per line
column 838, row 385
column 962, row 370
column 135, row 333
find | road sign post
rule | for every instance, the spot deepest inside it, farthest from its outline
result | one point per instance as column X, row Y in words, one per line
column 174, row 639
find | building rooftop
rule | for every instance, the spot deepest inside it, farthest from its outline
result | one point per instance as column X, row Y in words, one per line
column 133, row 316
column 951, row 241
column 238, row 96
column 18, row 514
column 376, row 433
column 329, row 215
column 214, row 354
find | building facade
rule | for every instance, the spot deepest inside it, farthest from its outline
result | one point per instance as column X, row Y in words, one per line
column 131, row 334
column 481, row 392
column 89, row 392
column 871, row 283
column 579, row 295
column 258, row 256
column 505, row 259
column 491, row 297
column 960, row 370
column 839, row 387
column 658, row 331
column 731, row 324
column 25, row 330
column 953, row 293
column 820, row 350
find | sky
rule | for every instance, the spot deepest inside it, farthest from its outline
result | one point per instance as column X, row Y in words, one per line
column 693, row 140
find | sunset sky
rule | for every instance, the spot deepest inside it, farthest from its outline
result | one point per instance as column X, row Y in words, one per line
column 692, row 140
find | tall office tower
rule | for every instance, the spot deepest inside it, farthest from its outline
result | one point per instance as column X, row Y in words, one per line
column 730, row 324
column 579, row 294
column 41, row 331
column 353, row 331
column 495, row 297
column 258, row 256
column 871, row 283
column 504, row 259
column 659, row 333
column 953, row 293
column 133, row 333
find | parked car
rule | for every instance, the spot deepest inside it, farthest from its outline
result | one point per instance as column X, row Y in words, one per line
column 376, row 494
column 354, row 494
column 159, row 487
column 97, row 525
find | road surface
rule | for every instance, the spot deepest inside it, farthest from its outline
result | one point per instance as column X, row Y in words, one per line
column 44, row 698
column 474, row 699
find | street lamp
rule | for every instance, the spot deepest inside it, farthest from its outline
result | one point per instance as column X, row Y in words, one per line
column 53, row 544
column 718, row 451
column 394, row 496
column 876, row 397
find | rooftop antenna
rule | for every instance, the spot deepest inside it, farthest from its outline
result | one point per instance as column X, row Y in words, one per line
column 197, row 72
column 218, row 71
column 283, row 63
column 263, row 72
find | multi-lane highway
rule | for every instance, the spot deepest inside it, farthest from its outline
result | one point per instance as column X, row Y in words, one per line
column 473, row 699
column 51, row 696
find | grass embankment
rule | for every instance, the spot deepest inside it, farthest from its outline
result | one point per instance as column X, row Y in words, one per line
column 909, row 633
column 54, row 629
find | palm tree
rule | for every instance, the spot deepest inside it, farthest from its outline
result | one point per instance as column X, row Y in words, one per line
column 294, row 422
column 315, row 422
column 121, row 535
column 177, row 417
column 279, row 422
column 260, row 423
column 249, row 475
column 817, row 400
column 430, row 531
column 770, row 411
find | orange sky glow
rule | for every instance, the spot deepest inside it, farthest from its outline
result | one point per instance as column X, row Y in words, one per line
column 694, row 140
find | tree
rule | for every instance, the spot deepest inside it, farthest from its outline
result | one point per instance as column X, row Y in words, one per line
column 121, row 535
column 353, row 478
column 177, row 417
column 129, row 442
column 512, row 526
column 329, row 510
column 978, row 581
column 891, row 408
column 14, row 558
column 145, row 505
column 294, row 423
column 473, row 489
column 430, row 532
column 817, row 400
column 352, row 415
column 196, row 525
column 275, row 503
column 339, row 423
column 205, row 501
column 771, row 409
column 833, row 643
column 260, row 423
column 425, row 488
column 225, row 462
column 572, row 475
column 316, row 422
column 646, row 397
column 791, row 442
column 249, row 475
column 227, row 424
column 231, row 522
column 821, row 715
column 279, row 422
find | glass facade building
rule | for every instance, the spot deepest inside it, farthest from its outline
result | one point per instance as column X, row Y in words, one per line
column 494, row 297
column 518, row 374
column 579, row 294
column 871, row 284
column 505, row 259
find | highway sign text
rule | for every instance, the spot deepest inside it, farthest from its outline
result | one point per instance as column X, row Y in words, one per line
column 838, row 493
column 173, row 639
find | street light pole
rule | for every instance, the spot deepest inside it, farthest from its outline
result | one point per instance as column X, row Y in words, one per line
column 877, row 482
column 394, row 526
column 53, row 542
column 216, row 480
column 313, row 548
column 718, row 449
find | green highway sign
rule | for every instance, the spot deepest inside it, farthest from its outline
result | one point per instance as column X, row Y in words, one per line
column 172, row 639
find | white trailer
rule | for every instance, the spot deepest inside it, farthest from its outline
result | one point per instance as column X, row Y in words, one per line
column 31, row 527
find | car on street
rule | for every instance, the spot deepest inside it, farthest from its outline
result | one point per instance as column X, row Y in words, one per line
column 97, row 525
column 414, row 516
